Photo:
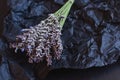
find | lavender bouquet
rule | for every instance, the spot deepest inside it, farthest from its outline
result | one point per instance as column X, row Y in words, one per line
column 42, row 41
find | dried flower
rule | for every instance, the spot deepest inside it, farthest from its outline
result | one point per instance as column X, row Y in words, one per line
column 43, row 40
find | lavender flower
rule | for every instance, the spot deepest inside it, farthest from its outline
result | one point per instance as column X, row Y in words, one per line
column 41, row 41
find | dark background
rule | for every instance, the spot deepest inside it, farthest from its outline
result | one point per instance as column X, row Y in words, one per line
column 110, row 72
column 3, row 12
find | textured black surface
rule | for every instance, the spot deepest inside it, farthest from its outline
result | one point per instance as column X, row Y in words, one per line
column 91, row 34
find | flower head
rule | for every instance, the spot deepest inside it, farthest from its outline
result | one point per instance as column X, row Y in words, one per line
column 41, row 41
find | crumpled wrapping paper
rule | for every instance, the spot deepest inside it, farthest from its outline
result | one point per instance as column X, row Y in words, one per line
column 90, row 36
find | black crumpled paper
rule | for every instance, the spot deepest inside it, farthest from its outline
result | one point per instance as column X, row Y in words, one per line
column 91, row 34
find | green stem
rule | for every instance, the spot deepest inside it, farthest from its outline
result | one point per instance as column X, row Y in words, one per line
column 63, row 12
